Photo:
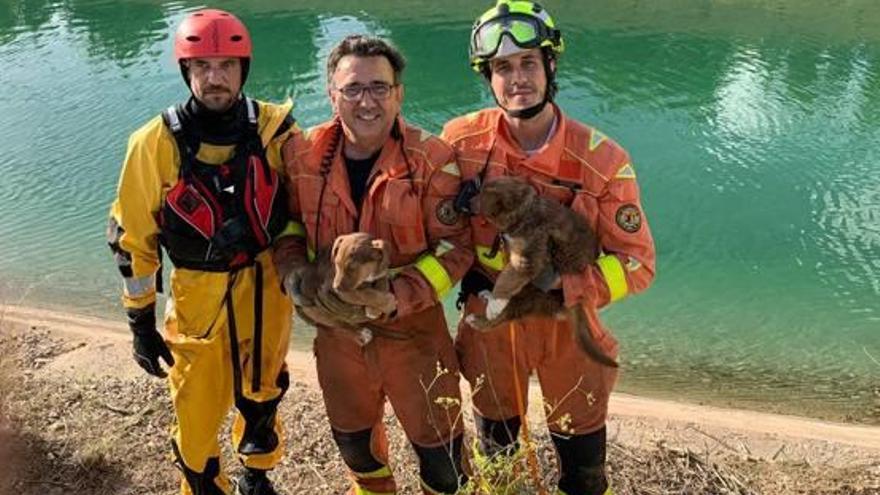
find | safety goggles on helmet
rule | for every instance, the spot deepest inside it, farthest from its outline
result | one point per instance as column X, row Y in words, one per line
column 525, row 32
column 525, row 24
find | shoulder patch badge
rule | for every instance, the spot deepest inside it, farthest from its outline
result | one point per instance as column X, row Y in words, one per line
column 596, row 139
column 629, row 218
column 626, row 172
column 446, row 213
column 451, row 168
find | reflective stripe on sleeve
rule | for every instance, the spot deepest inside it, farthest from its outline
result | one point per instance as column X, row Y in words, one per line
column 140, row 286
column 495, row 263
column 612, row 270
column 431, row 268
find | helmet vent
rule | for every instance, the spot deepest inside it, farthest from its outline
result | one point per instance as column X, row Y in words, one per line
column 235, row 37
column 194, row 39
column 198, row 14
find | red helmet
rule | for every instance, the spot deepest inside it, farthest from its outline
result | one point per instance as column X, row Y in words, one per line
column 211, row 33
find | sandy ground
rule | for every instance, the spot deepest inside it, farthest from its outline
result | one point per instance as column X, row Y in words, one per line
column 78, row 416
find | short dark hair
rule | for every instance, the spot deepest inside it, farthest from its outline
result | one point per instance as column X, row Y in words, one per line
column 361, row 45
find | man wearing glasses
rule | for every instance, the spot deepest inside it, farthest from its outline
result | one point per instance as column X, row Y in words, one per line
column 515, row 46
column 367, row 170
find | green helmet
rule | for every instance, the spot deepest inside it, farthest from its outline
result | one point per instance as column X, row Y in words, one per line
column 523, row 23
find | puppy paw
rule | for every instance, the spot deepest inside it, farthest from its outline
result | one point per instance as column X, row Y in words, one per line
column 389, row 306
column 477, row 322
column 364, row 336
column 519, row 262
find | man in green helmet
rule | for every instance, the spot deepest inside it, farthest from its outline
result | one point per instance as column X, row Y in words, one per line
column 515, row 46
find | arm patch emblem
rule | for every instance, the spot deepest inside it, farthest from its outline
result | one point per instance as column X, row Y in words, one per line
column 446, row 213
column 629, row 218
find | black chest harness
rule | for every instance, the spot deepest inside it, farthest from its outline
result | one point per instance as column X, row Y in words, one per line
column 220, row 217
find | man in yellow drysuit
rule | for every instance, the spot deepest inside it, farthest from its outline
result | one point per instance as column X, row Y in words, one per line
column 201, row 181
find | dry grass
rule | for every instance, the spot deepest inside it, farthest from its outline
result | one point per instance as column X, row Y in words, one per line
column 109, row 436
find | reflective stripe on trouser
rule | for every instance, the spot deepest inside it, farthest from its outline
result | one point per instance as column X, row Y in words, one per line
column 576, row 386
column 378, row 482
column 202, row 380
column 417, row 373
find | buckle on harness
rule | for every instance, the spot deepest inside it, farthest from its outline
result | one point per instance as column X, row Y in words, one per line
column 466, row 193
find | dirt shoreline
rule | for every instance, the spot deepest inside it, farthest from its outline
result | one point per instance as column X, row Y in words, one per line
column 78, row 373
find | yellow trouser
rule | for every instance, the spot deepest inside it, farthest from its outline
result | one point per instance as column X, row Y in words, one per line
column 207, row 377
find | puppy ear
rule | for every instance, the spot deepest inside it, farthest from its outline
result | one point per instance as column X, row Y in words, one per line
column 379, row 252
column 335, row 249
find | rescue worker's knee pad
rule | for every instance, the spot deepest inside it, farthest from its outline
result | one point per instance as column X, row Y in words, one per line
column 200, row 483
column 582, row 463
column 498, row 437
column 259, row 435
column 355, row 449
column 440, row 467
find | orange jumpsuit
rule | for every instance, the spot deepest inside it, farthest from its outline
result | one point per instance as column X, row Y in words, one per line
column 408, row 203
column 582, row 168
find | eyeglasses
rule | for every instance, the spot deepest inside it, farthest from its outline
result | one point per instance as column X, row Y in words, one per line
column 377, row 90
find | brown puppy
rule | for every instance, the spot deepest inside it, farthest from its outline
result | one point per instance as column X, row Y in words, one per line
column 361, row 273
column 538, row 233
column 355, row 270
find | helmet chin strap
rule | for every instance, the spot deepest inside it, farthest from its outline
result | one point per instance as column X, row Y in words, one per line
column 526, row 113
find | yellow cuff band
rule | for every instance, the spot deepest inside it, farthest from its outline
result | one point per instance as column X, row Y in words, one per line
column 612, row 270
column 431, row 268
column 495, row 263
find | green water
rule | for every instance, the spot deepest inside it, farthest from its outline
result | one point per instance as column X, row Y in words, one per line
column 754, row 126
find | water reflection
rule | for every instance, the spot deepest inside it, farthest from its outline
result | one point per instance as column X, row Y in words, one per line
column 17, row 16
column 754, row 128
column 113, row 38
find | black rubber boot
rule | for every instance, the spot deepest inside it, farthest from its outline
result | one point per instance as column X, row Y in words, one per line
column 254, row 482
column 582, row 463
column 498, row 437
column 200, row 483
